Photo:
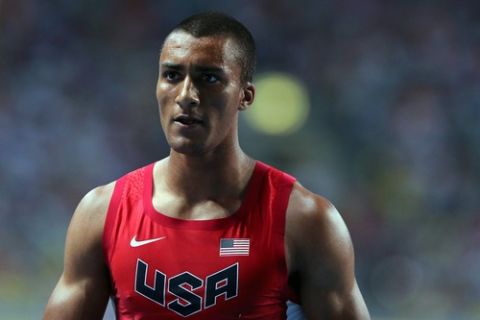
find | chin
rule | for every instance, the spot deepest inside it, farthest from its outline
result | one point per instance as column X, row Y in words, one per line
column 191, row 149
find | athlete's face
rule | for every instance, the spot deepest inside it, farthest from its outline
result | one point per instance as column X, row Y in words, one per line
column 200, row 92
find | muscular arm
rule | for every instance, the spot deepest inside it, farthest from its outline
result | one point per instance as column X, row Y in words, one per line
column 83, row 289
column 320, row 257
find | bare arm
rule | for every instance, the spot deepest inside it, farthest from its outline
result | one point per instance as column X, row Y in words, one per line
column 83, row 289
column 320, row 257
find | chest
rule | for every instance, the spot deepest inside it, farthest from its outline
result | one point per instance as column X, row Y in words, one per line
column 178, row 207
column 197, row 268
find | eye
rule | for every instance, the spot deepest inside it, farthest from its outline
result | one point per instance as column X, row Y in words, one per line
column 171, row 75
column 210, row 78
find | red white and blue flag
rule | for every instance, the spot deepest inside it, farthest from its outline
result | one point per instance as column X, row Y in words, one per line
column 234, row 247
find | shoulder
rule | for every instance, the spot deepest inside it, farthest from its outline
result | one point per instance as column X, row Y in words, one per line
column 92, row 210
column 309, row 210
column 315, row 232
column 96, row 200
column 89, row 216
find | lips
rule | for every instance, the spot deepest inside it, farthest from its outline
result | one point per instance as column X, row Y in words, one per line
column 187, row 120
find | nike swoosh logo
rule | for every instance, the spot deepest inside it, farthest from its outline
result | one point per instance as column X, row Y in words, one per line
column 134, row 243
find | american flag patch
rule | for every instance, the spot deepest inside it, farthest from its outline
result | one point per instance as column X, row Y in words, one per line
column 234, row 247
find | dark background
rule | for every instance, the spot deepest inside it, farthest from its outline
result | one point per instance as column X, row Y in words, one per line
column 392, row 138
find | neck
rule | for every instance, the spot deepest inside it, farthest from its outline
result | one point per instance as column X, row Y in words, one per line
column 217, row 175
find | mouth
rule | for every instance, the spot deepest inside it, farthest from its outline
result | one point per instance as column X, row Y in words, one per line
column 187, row 120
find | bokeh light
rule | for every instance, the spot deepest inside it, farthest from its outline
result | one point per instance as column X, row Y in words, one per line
column 281, row 104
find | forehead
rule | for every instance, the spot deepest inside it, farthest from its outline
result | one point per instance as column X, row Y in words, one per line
column 183, row 48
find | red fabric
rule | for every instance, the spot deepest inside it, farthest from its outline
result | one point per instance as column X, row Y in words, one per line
column 190, row 250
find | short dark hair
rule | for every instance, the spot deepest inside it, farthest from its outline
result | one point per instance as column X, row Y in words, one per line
column 215, row 23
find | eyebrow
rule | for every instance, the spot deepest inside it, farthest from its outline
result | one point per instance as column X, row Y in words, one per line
column 171, row 66
column 201, row 68
column 209, row 69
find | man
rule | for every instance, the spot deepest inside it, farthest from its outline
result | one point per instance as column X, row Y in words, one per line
column 208, row 232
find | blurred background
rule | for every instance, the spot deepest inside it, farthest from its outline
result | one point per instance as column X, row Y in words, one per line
column 373, row 104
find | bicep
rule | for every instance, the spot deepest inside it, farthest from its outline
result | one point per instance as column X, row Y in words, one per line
column 80, row 299
column 318, row 303
column 83, row 289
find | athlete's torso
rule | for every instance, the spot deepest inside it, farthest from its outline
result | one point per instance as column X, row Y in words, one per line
column 229, row 268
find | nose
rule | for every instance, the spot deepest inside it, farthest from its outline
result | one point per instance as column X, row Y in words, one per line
column 188, row 96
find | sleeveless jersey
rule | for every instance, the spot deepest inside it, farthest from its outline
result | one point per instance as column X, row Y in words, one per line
column 228, row 268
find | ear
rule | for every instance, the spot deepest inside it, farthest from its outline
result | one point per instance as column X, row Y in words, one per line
column 247, row 96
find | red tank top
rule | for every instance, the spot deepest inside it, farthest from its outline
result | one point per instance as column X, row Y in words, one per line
column 228, row 268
